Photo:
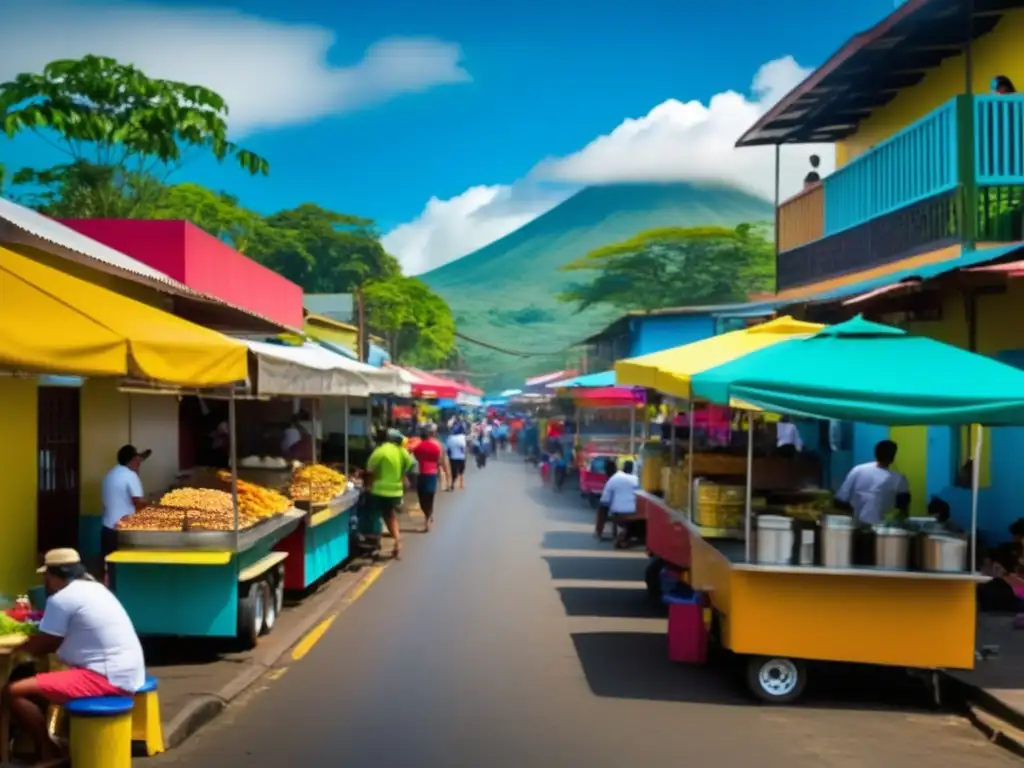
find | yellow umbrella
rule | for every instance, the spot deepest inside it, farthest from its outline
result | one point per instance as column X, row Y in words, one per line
column 669, row 371
column 54, row 322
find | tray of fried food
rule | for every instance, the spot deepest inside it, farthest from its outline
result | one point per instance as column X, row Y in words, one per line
column 257, row 501
column 316, row 484
column 178, row 519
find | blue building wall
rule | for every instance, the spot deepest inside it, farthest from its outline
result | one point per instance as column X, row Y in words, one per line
column 658, row 332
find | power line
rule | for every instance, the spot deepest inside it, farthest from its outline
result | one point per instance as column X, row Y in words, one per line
column 514, row 353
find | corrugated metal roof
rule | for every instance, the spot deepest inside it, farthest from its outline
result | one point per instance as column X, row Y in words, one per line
column 95, row 254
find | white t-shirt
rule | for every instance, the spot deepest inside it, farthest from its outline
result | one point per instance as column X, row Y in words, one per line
column 120, row 486
column 456, row 447
column 292, row 437
column 786, row 433
column 96, row 632
column 871, row 491
column 620, row 493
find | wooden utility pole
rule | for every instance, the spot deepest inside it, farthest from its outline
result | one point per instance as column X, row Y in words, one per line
column 364, row 336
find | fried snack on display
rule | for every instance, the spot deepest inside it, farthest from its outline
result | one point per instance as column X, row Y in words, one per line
column 316, row 483
column 256, row 500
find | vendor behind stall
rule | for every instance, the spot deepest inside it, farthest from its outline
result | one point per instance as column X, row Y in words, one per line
column 122, row 494
column 873, row 489
column 297, row 441
column 787, row 438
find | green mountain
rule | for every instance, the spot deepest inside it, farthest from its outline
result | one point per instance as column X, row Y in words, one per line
column 505, row 294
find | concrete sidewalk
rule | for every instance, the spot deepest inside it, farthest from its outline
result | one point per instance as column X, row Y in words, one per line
column 200, row 677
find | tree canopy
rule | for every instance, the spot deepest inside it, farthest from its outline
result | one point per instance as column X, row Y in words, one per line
column 416, row 322
column 675, row 266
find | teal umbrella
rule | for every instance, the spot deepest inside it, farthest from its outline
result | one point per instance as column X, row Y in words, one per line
column 863, row 371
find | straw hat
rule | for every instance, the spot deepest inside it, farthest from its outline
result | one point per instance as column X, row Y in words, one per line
column 57, row 557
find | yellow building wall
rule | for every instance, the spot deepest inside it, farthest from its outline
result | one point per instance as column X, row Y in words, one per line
column 18, row 484
column 348, row 339
column 912, row 462
column 104, row 429
column 998, row 53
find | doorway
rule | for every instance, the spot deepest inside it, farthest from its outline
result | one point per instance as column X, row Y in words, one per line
column 59, row 498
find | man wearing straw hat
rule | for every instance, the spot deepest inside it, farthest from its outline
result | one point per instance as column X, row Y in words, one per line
column 92, row 635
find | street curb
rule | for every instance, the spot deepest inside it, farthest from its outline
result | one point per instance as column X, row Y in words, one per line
column 206, row 707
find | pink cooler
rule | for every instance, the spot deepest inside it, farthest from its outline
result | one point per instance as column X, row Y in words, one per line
column 687, row 635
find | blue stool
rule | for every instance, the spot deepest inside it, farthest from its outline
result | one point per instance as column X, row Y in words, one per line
column 101, row 732
column 146, row 725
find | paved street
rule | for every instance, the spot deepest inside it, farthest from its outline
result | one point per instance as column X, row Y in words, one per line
column 507, row 637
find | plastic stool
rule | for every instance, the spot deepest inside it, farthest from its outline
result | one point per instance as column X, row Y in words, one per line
column 146, row 726
column 100, row 732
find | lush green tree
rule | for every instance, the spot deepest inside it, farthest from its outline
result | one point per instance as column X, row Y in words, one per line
column 123, row 133
column 416, row 323
column 674, row 266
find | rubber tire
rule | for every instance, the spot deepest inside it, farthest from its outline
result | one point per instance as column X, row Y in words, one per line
column 277, row 585
column 249, row 625
column 652, row 577
column 269, row 607
column 754, row 665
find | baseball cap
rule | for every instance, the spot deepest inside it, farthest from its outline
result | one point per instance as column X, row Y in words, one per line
column 128, row 452
column 57, row 557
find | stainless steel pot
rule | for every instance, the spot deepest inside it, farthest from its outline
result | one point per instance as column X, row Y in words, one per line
column 892, row 545
column 944, row 553
column 837, row 541
column 775, row 540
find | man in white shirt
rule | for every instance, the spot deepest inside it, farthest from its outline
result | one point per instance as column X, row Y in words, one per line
column 122, row 494
column 456, row 445
column 873, row 489
column 618, row 500
column 91, row 633
column 787, row 438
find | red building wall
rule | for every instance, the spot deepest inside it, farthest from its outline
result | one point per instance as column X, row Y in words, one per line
column 186, row 253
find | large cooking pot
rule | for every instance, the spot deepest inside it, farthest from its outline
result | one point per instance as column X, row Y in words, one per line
column 837, row 541
column 944, row 553
column 892, row 546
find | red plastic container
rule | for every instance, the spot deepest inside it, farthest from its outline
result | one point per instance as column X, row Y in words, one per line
column 687, row 635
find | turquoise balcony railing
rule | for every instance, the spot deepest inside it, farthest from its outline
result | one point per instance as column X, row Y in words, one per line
column 999, row 140
column 915, row 164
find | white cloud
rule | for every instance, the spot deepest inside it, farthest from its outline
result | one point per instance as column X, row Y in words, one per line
column 448, row 229
column 270, row 73
column 675, row 141
column 693, row 141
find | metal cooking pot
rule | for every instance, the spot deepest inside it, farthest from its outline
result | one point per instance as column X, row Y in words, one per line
column 892, row 546
column 775, row 538
column 837, row 541
column 944, row 553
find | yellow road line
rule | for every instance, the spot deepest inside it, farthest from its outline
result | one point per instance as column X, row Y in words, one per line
column 305, row 645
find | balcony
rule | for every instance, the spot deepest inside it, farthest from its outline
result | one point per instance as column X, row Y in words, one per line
column 909, row 194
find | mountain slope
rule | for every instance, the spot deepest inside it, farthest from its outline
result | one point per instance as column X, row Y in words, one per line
column 506, row 293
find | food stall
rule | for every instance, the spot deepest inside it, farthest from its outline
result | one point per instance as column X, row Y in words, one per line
column 233, row 541
column 803, row 587
column 705, row 491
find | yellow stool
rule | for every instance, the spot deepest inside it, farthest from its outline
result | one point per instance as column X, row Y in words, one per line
column 146, row 725
column 100, row 732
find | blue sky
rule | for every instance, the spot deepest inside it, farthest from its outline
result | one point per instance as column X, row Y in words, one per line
column 441, row 133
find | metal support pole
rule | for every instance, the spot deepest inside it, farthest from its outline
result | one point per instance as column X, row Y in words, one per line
column 750, row 482
column 347, row 436
column 314, row 418
column 778, row 181
column 632, row 430
column 975, row 478
column 233, row 458
column 689, row 464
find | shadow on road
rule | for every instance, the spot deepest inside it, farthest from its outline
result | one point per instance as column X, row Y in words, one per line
column 610, row 602
column 597, row 568
column 561, row 507
column 635, row 665
column 582, row 540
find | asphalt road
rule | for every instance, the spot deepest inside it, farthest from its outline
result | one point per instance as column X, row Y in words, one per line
column 508, row 637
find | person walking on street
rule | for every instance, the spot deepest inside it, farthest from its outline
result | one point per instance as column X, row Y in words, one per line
column 433, row 461
column 457, row 454
column 387, row 468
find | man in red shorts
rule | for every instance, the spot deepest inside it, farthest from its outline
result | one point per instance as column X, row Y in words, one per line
column 89, row 630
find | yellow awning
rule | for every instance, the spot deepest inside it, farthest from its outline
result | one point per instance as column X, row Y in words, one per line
column 55, row 323
column 669, row 371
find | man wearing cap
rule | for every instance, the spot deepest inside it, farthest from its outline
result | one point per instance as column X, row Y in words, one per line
column 387, row 468
column 122, row 493
column 92, row 635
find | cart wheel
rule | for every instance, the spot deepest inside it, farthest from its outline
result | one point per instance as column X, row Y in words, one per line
column 652, row 577
column 250, row 614
column 277, row 585
column 776, row 680
column 269, row 606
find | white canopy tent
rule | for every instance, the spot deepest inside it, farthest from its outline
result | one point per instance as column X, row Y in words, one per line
column 314, row 371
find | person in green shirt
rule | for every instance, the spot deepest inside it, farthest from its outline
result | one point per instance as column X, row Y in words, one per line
column 387, row 468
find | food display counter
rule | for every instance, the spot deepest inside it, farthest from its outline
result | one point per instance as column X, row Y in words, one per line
column 320, row 543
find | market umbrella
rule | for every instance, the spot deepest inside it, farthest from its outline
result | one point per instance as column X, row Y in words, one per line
column 671, row 370
column 863, row 371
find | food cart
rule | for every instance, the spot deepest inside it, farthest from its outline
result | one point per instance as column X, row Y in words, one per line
column 195, row 565
column 907, row 607
column 671, row 494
